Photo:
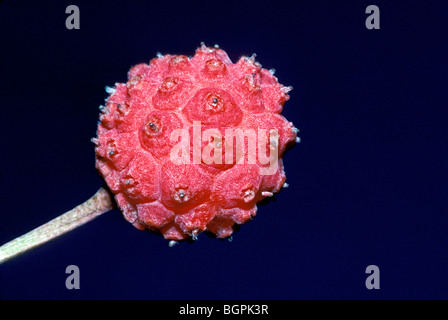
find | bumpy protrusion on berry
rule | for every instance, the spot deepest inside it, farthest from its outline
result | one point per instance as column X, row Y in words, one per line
column 155, row 132
column 213, row 106
column 137, row 133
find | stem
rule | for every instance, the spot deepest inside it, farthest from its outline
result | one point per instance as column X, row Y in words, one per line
column 100, row 203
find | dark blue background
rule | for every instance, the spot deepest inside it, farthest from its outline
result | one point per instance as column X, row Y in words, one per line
column 368, row 183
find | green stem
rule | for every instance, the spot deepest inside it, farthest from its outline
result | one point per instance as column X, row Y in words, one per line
column 100, row 203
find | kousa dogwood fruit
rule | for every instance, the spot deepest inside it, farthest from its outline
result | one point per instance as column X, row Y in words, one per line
column 215, row 98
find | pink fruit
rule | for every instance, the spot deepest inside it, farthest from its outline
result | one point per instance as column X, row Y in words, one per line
column 134, row 142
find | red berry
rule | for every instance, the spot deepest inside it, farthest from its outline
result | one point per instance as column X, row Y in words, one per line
column 136, row 138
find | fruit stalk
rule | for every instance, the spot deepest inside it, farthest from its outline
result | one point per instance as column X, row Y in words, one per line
column 98, row 204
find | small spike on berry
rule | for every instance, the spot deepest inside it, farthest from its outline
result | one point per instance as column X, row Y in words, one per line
column 110, row 90
column 172, row 243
